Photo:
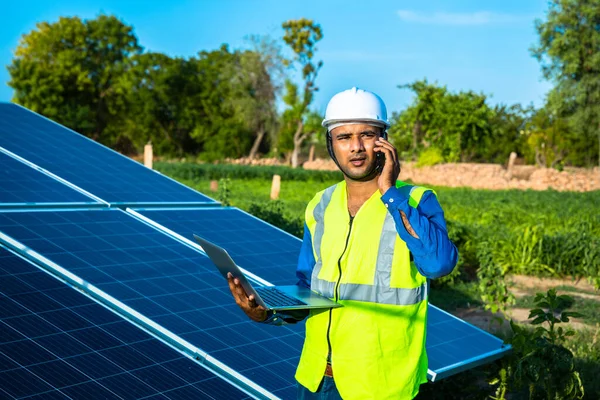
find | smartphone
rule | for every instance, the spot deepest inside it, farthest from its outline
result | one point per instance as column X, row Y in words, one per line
column 380, row 157
column 380, row 161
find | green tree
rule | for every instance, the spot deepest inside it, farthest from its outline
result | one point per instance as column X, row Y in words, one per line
column 262, row 77
column 158, row 103
column 508, row 124
column 410, row 126
column 569, row 52
column 458, row 124
column 301, row 36
column 547, row 137
column 253, row 97
column 215, row 104
column 66, row 70
column 289, row 118
column 220, row 132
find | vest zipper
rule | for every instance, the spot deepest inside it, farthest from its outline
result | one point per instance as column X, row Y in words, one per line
column 337, row 287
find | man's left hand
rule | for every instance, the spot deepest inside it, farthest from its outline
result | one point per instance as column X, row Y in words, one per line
column 391, row 168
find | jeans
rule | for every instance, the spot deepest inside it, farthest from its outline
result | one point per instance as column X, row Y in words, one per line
column 326, row 391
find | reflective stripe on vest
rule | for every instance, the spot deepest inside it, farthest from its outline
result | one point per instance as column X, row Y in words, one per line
column 381, row 292
column 319, row 214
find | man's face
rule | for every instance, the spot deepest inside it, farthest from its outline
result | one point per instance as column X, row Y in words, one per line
column 353, row 147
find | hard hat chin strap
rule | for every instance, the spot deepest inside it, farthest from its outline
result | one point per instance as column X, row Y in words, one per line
column 330, row 149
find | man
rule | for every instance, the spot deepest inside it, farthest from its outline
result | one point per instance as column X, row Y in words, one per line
column 370, row 243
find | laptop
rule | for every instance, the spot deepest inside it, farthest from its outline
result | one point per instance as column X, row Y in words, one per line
column 276, row 298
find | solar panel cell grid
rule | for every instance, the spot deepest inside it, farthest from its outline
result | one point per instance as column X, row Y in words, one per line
column 80, row 349
column 255, row 245
column 85, row 163
column 164, row 280
column 22, row 184
column 178, row 288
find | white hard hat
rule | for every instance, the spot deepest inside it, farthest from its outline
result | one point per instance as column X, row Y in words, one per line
column 355, row 106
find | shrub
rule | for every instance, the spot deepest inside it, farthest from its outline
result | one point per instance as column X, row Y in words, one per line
column 273, row 213
column 198, row 172
column 430, row 156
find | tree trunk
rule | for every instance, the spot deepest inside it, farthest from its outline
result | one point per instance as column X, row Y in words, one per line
column 295, row 156
column 540, row 160
column 257, row 141
column 298, row 139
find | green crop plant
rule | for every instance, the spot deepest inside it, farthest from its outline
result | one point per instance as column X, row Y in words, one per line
column 522, row 252
column 273, row 213
column 492, row 285
column 224, row 193
column 540, row 362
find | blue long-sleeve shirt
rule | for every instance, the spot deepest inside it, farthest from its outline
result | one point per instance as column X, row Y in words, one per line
column 433, row 252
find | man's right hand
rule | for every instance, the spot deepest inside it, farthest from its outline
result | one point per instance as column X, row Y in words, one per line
column 247, row 303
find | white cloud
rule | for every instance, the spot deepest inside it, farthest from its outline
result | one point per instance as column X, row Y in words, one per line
column 449, row 18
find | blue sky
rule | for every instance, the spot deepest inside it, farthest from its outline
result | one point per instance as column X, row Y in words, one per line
column 376, row 45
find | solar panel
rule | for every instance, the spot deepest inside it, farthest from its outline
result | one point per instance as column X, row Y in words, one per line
column 452, row 344
column 178, row 288
column 256, row 246
column 85, row 163
column 165, row 280
column 22, row 184
column 58, row 343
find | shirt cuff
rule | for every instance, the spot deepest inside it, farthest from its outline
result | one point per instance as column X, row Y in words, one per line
column 392, row 198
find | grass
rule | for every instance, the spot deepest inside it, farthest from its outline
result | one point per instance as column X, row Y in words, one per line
column 585, row 345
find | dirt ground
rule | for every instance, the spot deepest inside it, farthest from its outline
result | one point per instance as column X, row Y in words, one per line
column 521, row 286
column 478, row 176
column 492, row 176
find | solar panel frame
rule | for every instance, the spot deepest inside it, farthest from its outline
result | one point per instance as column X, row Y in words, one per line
column 42, row 363
column 36, row 157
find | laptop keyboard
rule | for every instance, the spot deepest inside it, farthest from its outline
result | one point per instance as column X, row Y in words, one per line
column 276, row 298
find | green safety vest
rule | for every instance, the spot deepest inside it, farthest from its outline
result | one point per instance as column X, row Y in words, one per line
column 378, row 336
